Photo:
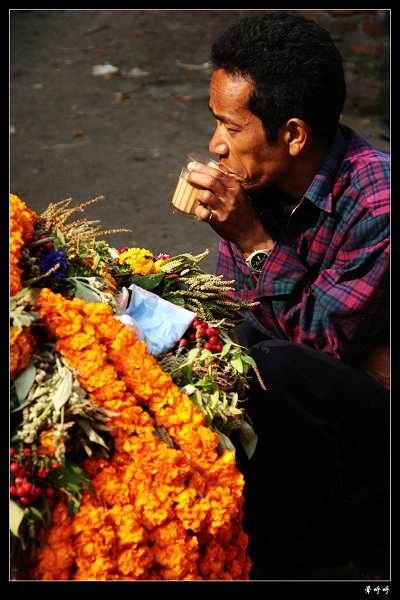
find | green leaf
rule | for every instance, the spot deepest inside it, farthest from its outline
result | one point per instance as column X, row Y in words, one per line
column 249, row 360
column 148, row 282
column 96, row 261
column 91, row 433
column 73, row 506
column 165, row 264
column 177, row 301
column 85, row 292
column 188, row 389
column 193, row 354
column 23, row 384
column 248, row 438
column 237, row 364
column 205, row 354
column 21, row 318
column 17, row 515
column 225, row 349
column 214, row 399
column 234, row 400
column 71, row 477
column 224, row 442
column 206, row 383
column 35, row 514
column 63, row 391
column 229, row 338
column 59, row 236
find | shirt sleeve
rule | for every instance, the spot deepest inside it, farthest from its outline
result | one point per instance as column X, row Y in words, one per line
column 339, row 307
column 347, row 305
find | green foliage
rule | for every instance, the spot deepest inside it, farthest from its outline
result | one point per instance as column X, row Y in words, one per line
column 71, row 480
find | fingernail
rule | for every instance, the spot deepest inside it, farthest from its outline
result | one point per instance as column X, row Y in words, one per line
column 191, row 166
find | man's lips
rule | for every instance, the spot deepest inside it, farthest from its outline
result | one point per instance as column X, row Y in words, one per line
column 227, row 169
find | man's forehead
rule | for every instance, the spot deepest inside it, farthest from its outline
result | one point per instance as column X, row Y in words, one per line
column 228, row 84
column 229, row 94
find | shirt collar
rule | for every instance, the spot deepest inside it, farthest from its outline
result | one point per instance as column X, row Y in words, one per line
column 320, row 189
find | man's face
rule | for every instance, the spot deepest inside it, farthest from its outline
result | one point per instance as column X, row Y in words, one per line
column 240, row 138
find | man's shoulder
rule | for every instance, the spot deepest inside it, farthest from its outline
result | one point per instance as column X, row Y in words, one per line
column 363, row 176
column 366, row 165
column 361, row 152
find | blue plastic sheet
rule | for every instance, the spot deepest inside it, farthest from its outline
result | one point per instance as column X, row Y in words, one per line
column 158, row 322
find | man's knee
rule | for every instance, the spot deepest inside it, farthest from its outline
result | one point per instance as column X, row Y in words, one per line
column 277, row 360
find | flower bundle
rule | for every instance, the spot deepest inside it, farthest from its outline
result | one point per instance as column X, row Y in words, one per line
column 116, row 472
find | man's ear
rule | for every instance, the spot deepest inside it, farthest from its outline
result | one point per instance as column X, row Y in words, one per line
column 296, row 135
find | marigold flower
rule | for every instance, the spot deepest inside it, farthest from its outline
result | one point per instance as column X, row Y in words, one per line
column 22, row 344
column 56, row 558
column 176, row 551
column 22, row 221
column 47, row 445
column 140, row 261
column 168, row 505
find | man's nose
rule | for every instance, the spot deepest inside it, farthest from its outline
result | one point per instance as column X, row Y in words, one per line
column 217, row 146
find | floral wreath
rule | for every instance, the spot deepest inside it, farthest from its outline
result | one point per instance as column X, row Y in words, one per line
column 121, row 464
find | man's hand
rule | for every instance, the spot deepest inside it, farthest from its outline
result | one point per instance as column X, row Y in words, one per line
column 227, row 208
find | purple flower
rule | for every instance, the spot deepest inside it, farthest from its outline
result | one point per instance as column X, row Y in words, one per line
column 50, row 259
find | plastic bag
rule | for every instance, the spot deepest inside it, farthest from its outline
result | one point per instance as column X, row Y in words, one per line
column 161, row 323
column 134, row 326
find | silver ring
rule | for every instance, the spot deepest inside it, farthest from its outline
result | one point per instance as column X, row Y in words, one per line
column 210, row 217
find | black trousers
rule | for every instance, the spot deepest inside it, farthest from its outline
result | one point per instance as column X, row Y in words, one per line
column 323, row 428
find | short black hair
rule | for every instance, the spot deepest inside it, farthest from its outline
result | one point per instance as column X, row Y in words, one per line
column 295, row 67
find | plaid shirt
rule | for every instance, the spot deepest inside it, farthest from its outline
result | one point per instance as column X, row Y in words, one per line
column 326, row 282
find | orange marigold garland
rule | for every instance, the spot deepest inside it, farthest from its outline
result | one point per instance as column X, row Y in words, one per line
column 168, row 506
column 22, row 221
column 57, row 557
column 22, row 344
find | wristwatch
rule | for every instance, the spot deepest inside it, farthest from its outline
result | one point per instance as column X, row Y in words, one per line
column 256, row 260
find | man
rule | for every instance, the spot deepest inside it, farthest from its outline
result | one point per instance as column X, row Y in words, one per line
column 301, row 204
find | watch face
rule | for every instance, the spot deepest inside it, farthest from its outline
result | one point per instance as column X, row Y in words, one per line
column 258, row 259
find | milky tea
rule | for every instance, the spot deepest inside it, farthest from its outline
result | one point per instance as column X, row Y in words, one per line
column 184, row 200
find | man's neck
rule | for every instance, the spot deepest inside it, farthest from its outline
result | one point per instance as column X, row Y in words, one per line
column 303, row 170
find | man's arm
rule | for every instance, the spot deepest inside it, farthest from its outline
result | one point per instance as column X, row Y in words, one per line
column 339, row 310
